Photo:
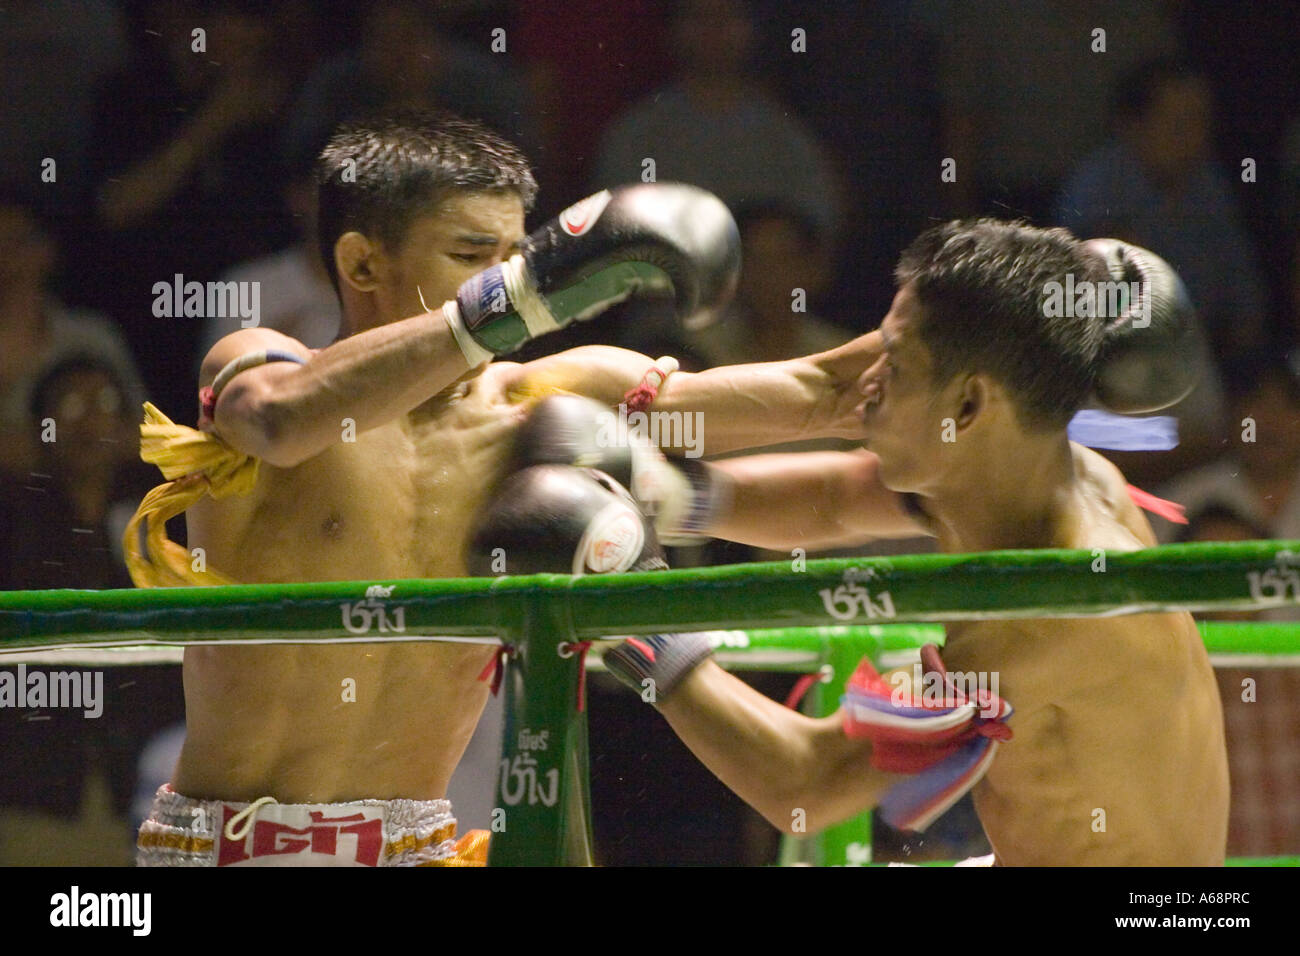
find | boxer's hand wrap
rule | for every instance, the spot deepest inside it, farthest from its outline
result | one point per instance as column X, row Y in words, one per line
column 661, row 238
column 942, row 737
column 683, row 495
column 654, row 665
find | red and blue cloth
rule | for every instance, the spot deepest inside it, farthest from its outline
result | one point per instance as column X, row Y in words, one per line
column 945, row 745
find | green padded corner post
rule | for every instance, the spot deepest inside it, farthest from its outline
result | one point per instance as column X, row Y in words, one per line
column 542, row 813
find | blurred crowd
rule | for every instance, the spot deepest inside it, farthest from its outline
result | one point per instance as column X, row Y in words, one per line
column 144, row 140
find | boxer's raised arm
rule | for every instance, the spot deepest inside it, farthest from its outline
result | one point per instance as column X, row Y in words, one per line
column 810, row 500
column 285, row 413
column 643, row 239
column 789, row 767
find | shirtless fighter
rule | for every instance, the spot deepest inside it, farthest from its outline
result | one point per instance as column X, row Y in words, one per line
column 369, row 459
column 1118, row 751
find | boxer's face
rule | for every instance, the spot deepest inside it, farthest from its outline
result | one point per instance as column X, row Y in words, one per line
column 904, row 410
column 467, row 233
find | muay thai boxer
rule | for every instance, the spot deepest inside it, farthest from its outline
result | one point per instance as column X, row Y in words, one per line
column 1114, row 753
column 369, row 460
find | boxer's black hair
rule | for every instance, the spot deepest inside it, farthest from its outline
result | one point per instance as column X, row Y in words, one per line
column 378, row 176
column 982, row 285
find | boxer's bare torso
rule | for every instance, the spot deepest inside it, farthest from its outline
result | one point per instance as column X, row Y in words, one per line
column 397, row 502
column 1118, row 756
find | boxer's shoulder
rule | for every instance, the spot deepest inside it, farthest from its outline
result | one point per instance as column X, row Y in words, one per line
column 243, row 342
column 1111, row 521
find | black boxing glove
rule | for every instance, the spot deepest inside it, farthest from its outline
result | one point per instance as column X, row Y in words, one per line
column 573, row 430
column 1149, row 352
column 681, row 495
column 562, row 520
column 660, row 238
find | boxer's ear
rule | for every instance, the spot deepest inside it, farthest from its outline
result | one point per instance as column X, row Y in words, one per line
column 972, row 399
column 359, row 261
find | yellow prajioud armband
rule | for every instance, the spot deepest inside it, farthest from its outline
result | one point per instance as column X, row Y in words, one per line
column 196, row 463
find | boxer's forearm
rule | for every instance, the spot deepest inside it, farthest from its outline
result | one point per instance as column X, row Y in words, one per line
column 809, row 500
column 749, row 406
column 801, row 774
column 732, row 407
column 769, row 403
column 287, row 413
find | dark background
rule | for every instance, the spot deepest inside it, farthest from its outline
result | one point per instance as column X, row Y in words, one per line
column 883, row 93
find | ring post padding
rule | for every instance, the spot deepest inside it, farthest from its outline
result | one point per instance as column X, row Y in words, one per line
column 543, row 798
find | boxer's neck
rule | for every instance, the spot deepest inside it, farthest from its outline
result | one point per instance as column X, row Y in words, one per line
column 1019, row 499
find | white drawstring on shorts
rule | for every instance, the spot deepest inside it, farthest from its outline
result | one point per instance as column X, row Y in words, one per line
column 245, row 816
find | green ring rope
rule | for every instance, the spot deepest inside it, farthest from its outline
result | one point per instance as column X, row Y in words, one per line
column 996, row 584
column 828, row 602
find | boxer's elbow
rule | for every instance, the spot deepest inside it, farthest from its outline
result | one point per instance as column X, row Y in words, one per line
column 285, row 436
column 798, row 814
column 262, row 424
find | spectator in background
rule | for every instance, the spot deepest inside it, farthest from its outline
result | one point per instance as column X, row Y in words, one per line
column 1259, row 477
column 1248, row 50
column 53, row 55
column 37, row 331
column 1024, row 90
column 1215, row 520
column 61, row 526
column 577, row 96
column 66, row 781
column 718, row 128
column 186, row 160
column 294, row 291
column 1155, row 184
column 865, row 77
column 786, row 268
column 1261, row 710
column 403, row 60
column 1291, row 216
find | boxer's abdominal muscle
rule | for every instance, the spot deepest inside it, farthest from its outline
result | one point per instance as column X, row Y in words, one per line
column 396, row 503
